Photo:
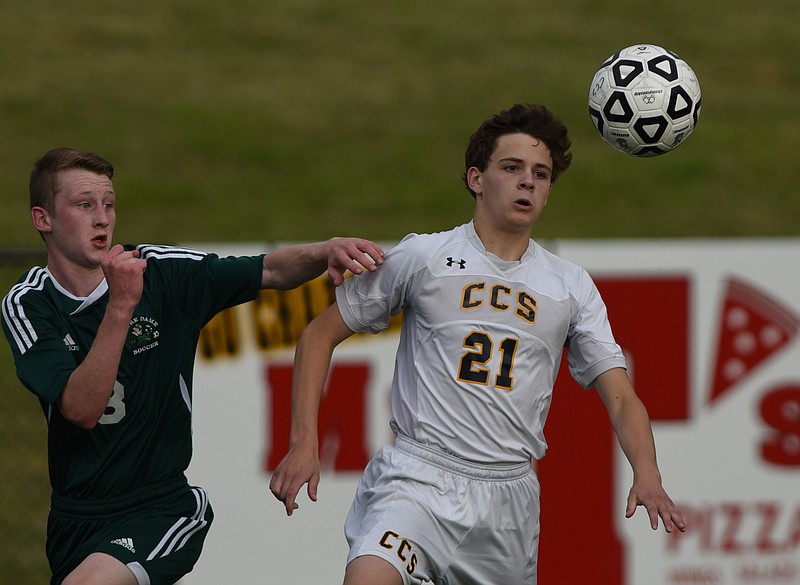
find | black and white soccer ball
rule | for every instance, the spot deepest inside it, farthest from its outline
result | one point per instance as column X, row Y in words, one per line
column 644, row 100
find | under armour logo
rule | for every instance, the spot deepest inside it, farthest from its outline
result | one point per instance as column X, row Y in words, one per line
column 462, row 264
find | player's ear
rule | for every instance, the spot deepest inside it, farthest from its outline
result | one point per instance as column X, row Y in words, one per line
column 41, row 219
column 549, row 192
column 474, row 180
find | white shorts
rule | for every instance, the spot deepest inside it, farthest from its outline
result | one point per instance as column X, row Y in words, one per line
column 441, row 519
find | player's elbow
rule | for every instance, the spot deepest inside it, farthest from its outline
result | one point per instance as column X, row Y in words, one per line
column 80, row 417
column 83, row 421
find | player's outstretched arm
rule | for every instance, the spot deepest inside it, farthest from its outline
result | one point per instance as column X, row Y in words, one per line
column 631, row 423
column 311, row 362
column 293, row 265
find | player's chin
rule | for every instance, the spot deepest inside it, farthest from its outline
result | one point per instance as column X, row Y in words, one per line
column 524, row 218
column 95, row 255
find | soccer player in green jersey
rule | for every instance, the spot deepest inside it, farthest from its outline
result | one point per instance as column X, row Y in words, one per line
column 105, row 336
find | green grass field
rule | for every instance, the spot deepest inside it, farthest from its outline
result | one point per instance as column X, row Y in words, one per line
column 304, row 119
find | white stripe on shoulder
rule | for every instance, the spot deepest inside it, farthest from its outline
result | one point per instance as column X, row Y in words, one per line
column 165, row 252
column 13, row 312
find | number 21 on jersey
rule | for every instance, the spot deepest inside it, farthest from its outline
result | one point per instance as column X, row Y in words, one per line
column 472, row 367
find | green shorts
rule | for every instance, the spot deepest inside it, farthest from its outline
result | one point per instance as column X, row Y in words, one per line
column 158, row 533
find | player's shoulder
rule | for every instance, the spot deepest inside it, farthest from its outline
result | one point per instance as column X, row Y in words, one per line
column 571, row 277
column 411, row 255
column 422, row 246
column 31, row 296
column 30, row 285
column 433, row 238
column 555, row 263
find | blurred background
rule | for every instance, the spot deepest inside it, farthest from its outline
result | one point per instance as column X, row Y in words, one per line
column 291, row 120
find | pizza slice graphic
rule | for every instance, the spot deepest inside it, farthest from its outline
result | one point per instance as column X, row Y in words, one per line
column 752, row 328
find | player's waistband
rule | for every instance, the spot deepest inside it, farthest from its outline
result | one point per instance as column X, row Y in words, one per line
column 485, row 471
column 125, row 503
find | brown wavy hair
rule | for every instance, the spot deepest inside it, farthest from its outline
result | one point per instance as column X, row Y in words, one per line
column 533, row 119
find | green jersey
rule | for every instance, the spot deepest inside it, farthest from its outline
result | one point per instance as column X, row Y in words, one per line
column 144, row 436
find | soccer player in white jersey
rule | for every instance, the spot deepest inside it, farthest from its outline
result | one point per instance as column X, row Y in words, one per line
column 486, row 314
column 105, row 336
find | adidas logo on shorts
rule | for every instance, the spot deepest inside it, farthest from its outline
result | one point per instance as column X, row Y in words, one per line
column 126, row 542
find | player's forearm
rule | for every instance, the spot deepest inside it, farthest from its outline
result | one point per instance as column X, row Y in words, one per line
column 85, row 396
column 629, row 418
column 635, row 436
column 291, row 266
column 312, row 361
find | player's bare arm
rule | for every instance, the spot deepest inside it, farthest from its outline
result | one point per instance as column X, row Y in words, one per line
column 85, row 395
column 631, row 423
column 312, row 360
column 291, row 266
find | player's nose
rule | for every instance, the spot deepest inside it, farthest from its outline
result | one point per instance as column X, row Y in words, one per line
column 102, row 216
column 527, row 182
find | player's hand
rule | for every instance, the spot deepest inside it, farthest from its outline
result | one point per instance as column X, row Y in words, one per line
column 650, row 494
column 296, row 469
column 353, row 254
column 124, row 272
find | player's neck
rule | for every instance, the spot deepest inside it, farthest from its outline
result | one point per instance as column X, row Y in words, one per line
column 80, row 281
column 505, row 244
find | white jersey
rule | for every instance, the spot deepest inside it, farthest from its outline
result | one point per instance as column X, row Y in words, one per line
column 481, row 340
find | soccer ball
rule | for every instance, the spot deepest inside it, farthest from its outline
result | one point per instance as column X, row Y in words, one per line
column 644, row 100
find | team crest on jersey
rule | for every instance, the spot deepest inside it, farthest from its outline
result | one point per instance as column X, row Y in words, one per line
column 143, row 334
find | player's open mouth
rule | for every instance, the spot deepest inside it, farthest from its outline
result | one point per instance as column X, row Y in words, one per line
column 100, row 241
column 524, row 203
